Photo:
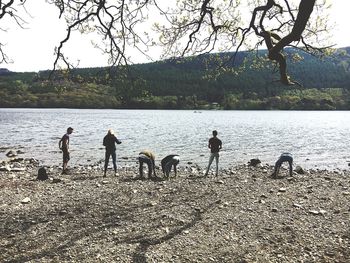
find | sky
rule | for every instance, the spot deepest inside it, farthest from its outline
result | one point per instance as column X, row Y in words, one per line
column 32, row 48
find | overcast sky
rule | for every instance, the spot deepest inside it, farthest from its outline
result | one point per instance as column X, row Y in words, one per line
column 32, row 49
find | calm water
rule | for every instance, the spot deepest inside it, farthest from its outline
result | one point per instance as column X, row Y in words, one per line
column 316, row 138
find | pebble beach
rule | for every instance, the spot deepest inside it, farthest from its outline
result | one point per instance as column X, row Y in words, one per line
column 242, row 215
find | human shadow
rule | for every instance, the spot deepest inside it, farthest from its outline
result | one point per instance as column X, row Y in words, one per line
column 145, row 242
column 87, row 219
column 21, row 229
column 88, row 177
column 138, row 178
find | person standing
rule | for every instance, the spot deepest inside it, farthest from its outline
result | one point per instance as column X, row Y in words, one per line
column 64, row 146
column 215, row 146
column 147, row 157
column 109, row 142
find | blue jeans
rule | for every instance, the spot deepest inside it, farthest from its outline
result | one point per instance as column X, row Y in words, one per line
column 114, row 158
column 144, row 159
column 284, row 158
column 173, row 162
column 212, row 156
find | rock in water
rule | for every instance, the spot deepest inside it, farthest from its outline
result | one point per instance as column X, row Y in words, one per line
column 42, row 174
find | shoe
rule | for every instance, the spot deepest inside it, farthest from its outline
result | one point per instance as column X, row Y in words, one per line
column 104, row 175
column 116, row 174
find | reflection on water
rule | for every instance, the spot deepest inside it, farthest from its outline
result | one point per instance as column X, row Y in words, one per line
column 316, row 138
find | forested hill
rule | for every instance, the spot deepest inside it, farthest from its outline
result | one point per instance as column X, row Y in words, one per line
column 191, row 83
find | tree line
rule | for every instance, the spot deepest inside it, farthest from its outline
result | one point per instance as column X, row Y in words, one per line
column 191, row 83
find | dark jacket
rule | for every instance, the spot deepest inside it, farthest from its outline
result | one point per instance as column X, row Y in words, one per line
column 109, row 141
column 166, row 160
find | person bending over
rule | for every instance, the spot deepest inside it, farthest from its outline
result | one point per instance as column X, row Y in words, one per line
column 168, row 162
column 109, row 142
column 285, row 157
column 148, row 158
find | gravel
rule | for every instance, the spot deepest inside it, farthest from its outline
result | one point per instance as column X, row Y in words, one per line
column 243, row 215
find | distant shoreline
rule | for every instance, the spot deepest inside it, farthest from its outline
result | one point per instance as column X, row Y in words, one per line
column 166, row 109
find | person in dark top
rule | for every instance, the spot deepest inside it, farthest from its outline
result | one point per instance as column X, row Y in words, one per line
column 63, row 144
column 109, row 142
column 168, row 162
column 285, row 157
column 147, row 157
column 215, row 146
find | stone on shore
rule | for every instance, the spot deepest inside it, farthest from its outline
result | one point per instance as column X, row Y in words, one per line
column 11, row 153
column 299, row 170
column 5, row 168
column 254, row 162
column 26, row 200
column 242, row 215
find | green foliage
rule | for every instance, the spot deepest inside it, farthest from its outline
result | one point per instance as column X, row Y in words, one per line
column 191, row 83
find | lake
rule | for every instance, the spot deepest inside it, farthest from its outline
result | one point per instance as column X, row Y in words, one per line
column 317, row 139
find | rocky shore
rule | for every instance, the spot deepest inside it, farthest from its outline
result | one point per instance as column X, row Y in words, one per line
column 243, row 215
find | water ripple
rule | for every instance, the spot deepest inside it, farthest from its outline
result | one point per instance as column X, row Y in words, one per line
column 316, row 138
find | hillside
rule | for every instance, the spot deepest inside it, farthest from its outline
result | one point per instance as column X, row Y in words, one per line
column 190, row 83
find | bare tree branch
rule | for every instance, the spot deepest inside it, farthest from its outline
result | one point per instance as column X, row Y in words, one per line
column 185, row 28
column 8, row 9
